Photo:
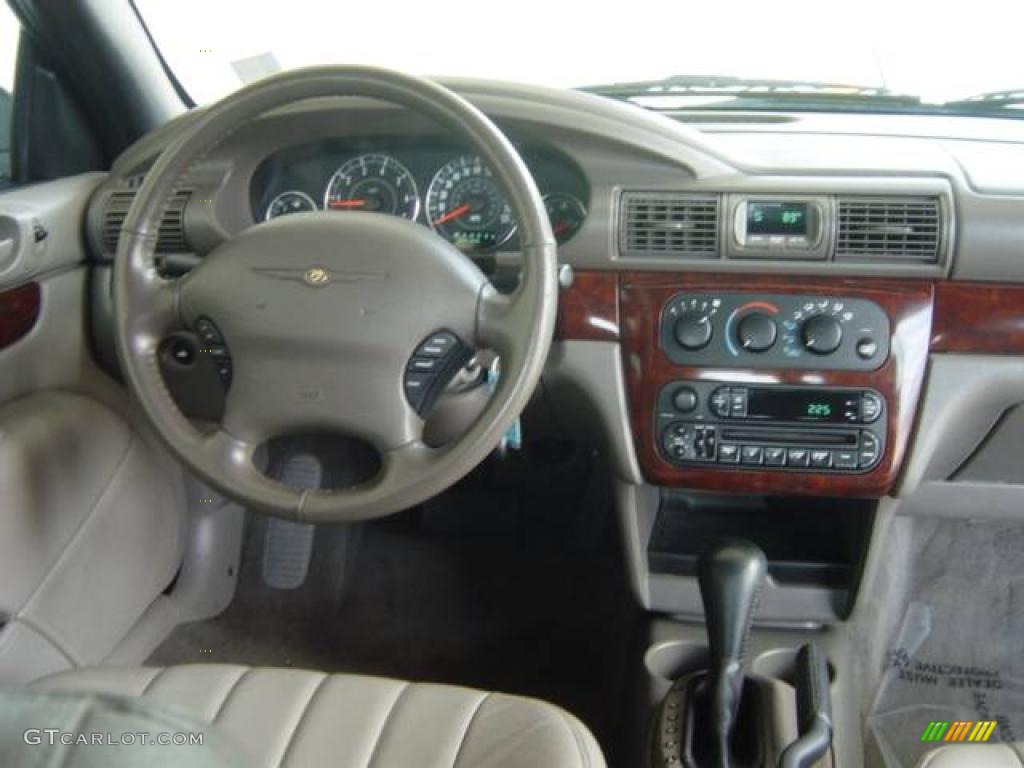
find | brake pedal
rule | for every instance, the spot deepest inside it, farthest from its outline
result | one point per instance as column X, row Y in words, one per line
column 288, row 546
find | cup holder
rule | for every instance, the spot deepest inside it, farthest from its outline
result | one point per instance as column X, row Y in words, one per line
column 780, row 664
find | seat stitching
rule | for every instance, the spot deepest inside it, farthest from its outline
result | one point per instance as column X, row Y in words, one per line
column 234, row 687
column 469, row 725
column 302, row 718
column 386, row 722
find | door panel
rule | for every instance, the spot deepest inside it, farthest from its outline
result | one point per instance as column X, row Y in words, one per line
column 92, row 510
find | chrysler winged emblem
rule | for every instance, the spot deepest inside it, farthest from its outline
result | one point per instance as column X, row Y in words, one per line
column 318, row 277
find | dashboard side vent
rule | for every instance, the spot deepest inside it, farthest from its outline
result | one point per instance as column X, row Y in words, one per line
column 899, row 229
column 668, row 224
column 171, row 237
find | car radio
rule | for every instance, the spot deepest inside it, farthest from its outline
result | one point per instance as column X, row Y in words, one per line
column 819, row 429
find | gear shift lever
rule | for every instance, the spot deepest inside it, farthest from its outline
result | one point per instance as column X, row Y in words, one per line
column 731, row 575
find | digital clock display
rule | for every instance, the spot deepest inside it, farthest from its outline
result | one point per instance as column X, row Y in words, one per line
column 777, row 218
column 820, row 405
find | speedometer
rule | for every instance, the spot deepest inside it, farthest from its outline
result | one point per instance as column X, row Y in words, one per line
column 466, row 207
column 374, row 183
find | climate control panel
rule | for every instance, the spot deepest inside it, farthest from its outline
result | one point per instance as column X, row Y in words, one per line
column 777, row 330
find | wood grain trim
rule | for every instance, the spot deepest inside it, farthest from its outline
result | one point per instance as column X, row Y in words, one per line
column 909, row 306
column 588, row 310
column 19, row 311
column 980, row 318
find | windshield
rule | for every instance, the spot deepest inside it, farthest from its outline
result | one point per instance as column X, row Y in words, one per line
column 933, row 54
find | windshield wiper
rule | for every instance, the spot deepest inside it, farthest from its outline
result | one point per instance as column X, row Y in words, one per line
column 991, row 101
column 749, row 93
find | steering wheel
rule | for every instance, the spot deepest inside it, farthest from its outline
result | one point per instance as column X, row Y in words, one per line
column 322, row 313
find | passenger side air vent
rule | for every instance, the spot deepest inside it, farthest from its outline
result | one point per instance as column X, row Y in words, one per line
column 668, row 224
column 171, row 238
column 879, row 229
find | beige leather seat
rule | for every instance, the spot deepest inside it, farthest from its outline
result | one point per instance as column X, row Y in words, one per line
column 287, row 717
column 975, row 756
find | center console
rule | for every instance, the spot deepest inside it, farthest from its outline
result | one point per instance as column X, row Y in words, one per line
column 772, row 384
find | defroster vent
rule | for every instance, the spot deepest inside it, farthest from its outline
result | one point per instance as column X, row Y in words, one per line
column 669, row 224
column 880, row 229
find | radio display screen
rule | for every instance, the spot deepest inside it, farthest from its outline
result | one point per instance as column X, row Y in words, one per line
column 821, row 406
column 777, row 218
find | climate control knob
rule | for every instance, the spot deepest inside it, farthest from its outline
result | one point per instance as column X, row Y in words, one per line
column 693, row 330
column 756, row 332
column 822, row 334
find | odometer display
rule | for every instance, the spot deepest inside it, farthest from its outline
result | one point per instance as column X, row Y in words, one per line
column 466, row 207
column 373, row 183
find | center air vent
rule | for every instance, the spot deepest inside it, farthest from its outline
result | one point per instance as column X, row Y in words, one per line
column 669, row 224
column 171, row 237
column 879, row 229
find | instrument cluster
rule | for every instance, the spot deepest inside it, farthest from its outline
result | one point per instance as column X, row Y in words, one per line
column 434, row 182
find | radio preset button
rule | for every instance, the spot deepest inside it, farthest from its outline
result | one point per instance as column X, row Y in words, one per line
column 752, row 454
column 798, row 457
column 775, row 457
column 728, row 453
column 845, row 460
column 869, row 449
column 821, row 459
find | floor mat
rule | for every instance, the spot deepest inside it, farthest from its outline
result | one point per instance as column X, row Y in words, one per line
column 958, row 660
column 490, row 588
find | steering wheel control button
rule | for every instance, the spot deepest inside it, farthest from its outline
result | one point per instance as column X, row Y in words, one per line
column 685, row 399
column 433, row 364
column 208, row 331
column 182, row 351
column 215, row 347
column 437, row 345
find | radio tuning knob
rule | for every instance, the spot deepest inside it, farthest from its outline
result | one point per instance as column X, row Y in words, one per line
column 693, row 330
column 756, row 332
column 822, row 334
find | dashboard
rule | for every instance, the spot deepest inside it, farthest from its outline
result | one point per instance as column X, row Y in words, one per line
column 435, row 182
column 756, row 306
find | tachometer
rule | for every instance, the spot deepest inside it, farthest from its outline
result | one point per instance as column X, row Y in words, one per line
column 375, row 183
column 566, row 213
column 288, row 202
column 465, row 206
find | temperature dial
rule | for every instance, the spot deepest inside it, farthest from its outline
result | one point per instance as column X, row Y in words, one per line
column 756, row 332
column 822, row 334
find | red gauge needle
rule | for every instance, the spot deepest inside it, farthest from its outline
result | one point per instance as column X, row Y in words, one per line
column 355, row 203
column 454, row 213
column 560, row 227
